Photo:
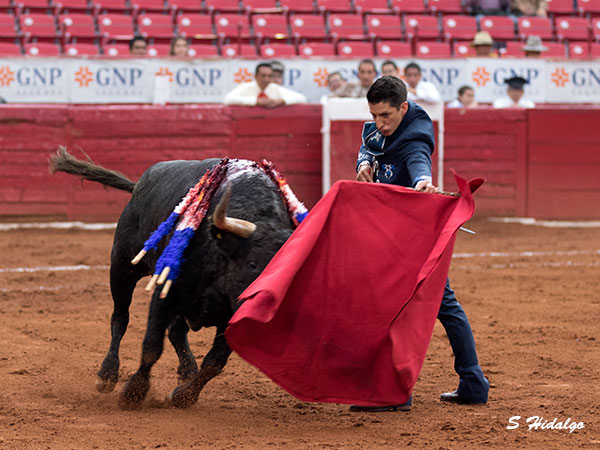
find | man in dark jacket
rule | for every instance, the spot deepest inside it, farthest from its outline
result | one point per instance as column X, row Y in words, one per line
column 396, row 149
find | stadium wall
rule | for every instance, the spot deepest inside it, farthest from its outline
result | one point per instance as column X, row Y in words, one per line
column 541, row 163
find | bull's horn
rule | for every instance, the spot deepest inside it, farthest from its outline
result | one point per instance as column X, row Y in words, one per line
column 239, row 227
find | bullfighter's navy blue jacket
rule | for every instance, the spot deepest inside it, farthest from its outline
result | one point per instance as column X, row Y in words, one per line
column 403, row 158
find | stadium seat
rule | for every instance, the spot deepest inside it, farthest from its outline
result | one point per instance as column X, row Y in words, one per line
column 346, row 26
column 589, row 7
column 311, row 49
column 190, row 6
column 85, row 49
column 201, row 50
column 572, row 28
column 393, row 49
column 499, row 27
column 8, row 29
column 408, row 6
column 42, row 49
column 445, row 6
column 38, row 26
column 33, row 6
column 459, row 27
column 10, row 49
column 272, row 26
column 156, row 26
column 261, row 6
column 158, row 50
column 595, row 50
column 77, row 26
column 115, row 26
column 235, row 50
column 463, row 50
column 196, row 26
column 372, row 6
column 596, row 28
column 384, row 26
column 353, row 49
column 229, row 6
column 555, row 49
column 72, row 6
column 540, row 26
column 294, row 6
column 6, row 6
column 153, row 6
column 512, row 49
column 308, row 27
column 116, row 49
column 422, row 26
column 425, row 49
column 277, row 50
column 579, row 50
column 336, row 6
column 560, row 7
column 233, row 26
column 110, row 6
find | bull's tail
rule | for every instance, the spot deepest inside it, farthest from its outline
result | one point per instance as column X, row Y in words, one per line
column 62, row 161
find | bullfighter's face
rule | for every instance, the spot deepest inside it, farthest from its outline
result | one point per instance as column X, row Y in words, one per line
column 387, row 117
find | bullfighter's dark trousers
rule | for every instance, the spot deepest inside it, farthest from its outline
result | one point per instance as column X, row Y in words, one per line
column 473, row 386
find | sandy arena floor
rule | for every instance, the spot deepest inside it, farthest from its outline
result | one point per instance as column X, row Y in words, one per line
column 535, row 318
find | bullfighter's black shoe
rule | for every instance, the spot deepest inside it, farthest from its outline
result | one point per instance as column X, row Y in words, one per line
column 454, row 397
column 400, row 407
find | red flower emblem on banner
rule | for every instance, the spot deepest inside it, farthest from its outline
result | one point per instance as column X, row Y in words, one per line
column 560, row 77
column 165, row 72
column 320, row 77
column 481, row 76
column 242, row 76
column 7, row 76
column 84, row 77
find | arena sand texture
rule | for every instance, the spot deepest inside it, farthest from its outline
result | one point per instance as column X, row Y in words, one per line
column 535, row 318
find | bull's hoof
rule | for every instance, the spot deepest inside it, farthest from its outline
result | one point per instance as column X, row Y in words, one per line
column 134, row 392
column 184, row 396
column 105, row 386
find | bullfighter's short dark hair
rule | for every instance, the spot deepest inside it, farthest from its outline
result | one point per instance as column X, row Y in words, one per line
column 388, row 89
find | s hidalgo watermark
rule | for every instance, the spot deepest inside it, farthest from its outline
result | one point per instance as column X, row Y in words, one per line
column 539, row 423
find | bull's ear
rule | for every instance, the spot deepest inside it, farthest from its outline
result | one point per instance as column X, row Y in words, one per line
column 226, row 241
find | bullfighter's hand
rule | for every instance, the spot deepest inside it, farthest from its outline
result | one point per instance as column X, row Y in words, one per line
column 426, row 186
column 365, row 173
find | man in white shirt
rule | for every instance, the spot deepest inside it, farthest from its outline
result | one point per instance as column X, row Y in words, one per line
column 419, row 91
column 514, row 95
column 263, row 92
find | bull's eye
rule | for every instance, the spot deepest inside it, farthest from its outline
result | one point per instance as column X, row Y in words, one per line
column 252, row 265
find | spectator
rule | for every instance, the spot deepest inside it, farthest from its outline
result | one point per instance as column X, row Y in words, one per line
column 262, row 91
column 484, row 45
column 278, row 71
column 419, row 91
column 2, row 100
column 179, row 47
column 366, row 76
column 466, row 98
column 530, row 8
column 533, row 47
column 514, row 97
column 390, row 68
column 488, row 7
column 138, row 46
column 336, row 82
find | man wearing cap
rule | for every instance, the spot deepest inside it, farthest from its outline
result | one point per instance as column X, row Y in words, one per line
column 484, row 45
column 514, row 95
column 533, row 47
column 396, row 149
column 278, row 70
column 262, row 91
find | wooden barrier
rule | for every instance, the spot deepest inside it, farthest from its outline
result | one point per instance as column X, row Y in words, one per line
column 541, row 163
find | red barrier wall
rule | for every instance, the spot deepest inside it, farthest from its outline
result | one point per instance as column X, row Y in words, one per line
column 542, row 163
column 130, row 138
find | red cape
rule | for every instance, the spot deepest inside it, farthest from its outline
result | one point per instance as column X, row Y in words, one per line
column 345, row 310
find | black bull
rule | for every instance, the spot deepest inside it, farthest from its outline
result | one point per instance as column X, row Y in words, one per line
column 218, row 266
